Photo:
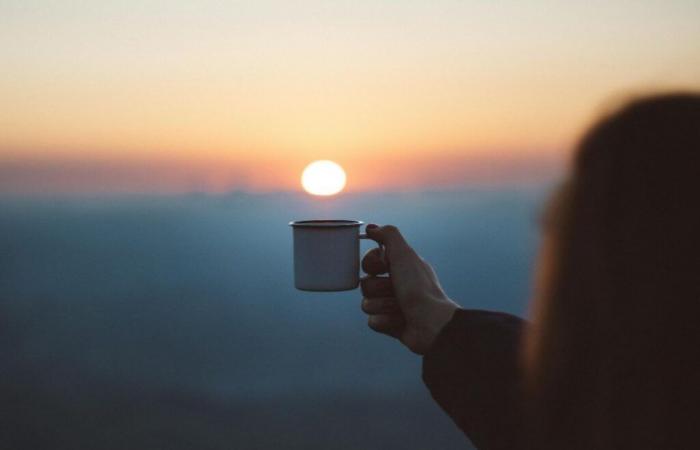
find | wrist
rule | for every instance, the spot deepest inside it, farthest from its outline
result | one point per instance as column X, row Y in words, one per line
column 438, row 315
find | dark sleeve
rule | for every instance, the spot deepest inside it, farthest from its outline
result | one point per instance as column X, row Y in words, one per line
column 472, row 371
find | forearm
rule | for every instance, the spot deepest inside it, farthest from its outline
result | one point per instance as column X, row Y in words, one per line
column 472, row 371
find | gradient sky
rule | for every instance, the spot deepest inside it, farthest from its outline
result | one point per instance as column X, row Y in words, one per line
column 143, row 96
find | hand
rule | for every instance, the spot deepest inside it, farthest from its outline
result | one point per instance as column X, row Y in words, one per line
column 409, row 304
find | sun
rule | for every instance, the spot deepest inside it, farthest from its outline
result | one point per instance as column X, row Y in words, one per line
column 323, row 178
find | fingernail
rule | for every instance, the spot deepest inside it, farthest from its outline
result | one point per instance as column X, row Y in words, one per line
column 371, row 226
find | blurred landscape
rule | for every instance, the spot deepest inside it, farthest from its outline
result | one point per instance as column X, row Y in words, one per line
column 150, row 158
column 149, row 322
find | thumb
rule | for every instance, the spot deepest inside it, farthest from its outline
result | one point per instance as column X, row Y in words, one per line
column 389, row 236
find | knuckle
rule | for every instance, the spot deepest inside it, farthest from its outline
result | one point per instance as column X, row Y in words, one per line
column 366, row 292
column 385, row 288
column 372, row 323
column 367, row 289
column 375, row 253
column 402, row 252
column 378, row 322
column 368, row 254
column 391, row 229
column 371, row 258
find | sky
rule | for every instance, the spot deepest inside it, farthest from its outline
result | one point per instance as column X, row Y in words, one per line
column 144, row 96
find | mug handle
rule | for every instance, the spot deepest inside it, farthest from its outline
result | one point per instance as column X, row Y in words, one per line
column 379, row 245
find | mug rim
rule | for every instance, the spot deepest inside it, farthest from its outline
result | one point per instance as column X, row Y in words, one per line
column 325, row 223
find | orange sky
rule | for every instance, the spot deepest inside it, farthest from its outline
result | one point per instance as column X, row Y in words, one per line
column 173, row 97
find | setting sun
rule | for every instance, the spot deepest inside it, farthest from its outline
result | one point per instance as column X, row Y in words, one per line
column 323, row 178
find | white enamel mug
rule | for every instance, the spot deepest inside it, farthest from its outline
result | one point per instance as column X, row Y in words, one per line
column 326, row 254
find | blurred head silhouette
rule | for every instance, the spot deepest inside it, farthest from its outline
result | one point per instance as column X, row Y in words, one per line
column 613, row 354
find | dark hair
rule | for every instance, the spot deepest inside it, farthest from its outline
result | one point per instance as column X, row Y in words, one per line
column 615, row 347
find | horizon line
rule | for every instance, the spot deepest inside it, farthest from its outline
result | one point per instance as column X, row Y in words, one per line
column 531, row 185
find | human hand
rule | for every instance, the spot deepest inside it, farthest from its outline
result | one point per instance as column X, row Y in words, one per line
column 409, row 304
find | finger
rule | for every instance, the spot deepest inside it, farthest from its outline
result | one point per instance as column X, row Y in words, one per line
column 377, row 287
column 374, row 262
column 390, row 237
column 380, row 305
column 391, row 324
